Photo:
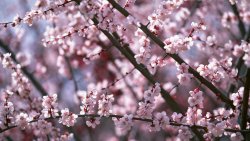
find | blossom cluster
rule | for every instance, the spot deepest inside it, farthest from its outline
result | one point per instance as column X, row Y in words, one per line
column 183, row 76
column 50, row 106
column 146, row 107
column 102, row 59
column 243, row 50
column 218, row 69
column 33, row 15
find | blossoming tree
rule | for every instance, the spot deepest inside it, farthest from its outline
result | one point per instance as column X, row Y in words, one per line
column 125, row 70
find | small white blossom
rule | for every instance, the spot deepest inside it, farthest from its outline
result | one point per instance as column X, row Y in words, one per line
column 88, row 102
column 68, row 118
column 50, row 106
column 217, row 129
column 7, row 61
column 160, row 121
column 22, row 120
column 105, row 104
column 184, row 133
column 124, row 124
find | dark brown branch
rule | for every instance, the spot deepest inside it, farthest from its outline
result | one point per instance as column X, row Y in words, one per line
column 244, row 112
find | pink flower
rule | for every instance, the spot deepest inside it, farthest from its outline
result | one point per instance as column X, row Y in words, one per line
column 177, row 43
column 50, row 106
column 237, row 97
column 124, row 124
column 160, row 121
column 7, row 61
column 184, row 133
column 41, row 128
column 129, row 3
column 217, row 129
column 246, row 17
column 7, row 108
column 49, row 101
column 182, row 68
column 105, row 104
column 68, row 118
column 184, row 78
column 228, row 19
column 195, row 99
column 93, row 122
column 22, row 120
column 88, row 101
column 145, row 110
column 176, row 117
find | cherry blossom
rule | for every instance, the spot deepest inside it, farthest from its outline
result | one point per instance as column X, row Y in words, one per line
column 93, row 122
column 105, row 104
column 88, row 101
column 124, row 124
column 50, row 106
column 146, row 107
column 22, row 120
column 68, row 118
column 184, row 134
column 160, row 121
column 136, row 69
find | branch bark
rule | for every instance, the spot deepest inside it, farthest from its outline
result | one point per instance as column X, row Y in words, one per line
column 244, row 112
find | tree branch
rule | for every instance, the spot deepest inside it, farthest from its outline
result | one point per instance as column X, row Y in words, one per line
column 244, row 113
column 134, row 118
column 240, row 24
